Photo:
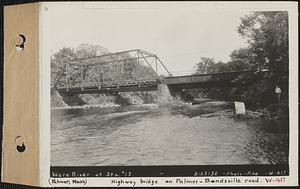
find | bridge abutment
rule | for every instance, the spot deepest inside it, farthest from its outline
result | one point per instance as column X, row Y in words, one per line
column 164, row 94
column 171, row 94
column 57, row 100
column 129, row 98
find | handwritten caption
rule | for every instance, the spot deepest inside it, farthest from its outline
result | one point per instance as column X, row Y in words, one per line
column 194, row 181
column 134, row 182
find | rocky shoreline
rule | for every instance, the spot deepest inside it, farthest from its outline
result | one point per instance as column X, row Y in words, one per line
column 230, row 113
column 203, row 108
column 103, row 105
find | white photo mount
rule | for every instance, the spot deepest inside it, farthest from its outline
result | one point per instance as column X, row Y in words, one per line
column 27, row 123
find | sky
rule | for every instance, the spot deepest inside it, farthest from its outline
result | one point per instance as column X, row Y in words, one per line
column 178, row 35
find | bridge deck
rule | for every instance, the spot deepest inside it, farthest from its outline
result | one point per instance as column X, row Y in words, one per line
column 211, row 80
column 110, row 87
column 179, row 82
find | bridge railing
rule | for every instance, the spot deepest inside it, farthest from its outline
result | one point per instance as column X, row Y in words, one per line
column 213, row 77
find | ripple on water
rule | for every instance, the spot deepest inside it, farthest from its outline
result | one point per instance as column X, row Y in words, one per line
column 162, row 136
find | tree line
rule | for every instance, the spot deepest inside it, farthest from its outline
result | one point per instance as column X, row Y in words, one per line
column 267, row 38
column 85, row 64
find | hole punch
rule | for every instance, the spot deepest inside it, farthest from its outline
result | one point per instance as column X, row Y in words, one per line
column 20, row 144
column 22, row 45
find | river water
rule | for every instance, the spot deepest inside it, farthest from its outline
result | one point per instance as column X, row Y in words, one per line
column 164, row 135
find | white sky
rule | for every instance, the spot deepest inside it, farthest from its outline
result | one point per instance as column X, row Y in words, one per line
column 178, row 36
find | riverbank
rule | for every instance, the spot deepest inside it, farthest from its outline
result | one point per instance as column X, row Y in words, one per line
column 199, row 107
column 102, row 105
column 108, row 105
column 152, row 134
column 231, row 113
column 214, row 108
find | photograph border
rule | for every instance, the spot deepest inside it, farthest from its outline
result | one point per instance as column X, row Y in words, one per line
column 291, row 177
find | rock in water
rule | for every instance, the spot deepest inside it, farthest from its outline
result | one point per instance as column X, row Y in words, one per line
column 240, row 108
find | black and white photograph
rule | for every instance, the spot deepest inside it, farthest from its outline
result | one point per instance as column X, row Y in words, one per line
column 168, row 86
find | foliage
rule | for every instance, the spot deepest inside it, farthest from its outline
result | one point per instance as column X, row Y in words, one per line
column 58, row 61
column 85, row 64
column 204, row 66
column 93, row 69
column 86, row 50
column 240, row 61
column 209, row 65
column 267, row 37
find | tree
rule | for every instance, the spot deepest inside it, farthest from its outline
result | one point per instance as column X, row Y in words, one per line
column 90, row 66
column 58, row 61
column 240, row 60
column 267, row 36
column 209, row 65
column 64, row 55
column 86, row 50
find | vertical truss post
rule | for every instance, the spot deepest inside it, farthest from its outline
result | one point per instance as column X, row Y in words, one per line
column 81, row 72
column 118, row 76
column 68, row 75
column 151, row 67
column 63, row 69
column 138, row 65
column 124, row 69
column 156, row 64
column 104, row 74
column 99, row 72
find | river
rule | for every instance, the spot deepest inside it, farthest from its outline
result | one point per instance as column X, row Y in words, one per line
column 163, row 135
